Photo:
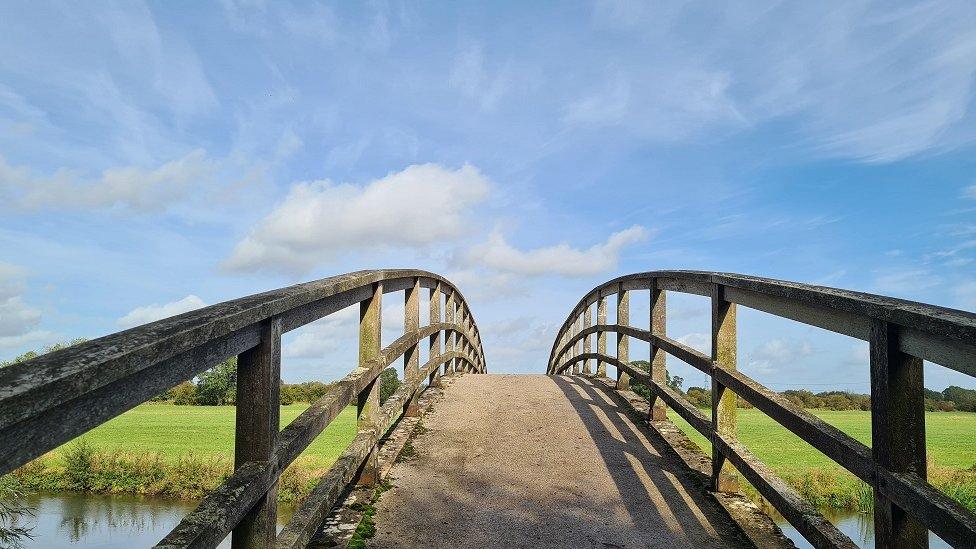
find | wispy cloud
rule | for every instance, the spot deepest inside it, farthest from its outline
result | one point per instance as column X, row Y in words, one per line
column 127, row 187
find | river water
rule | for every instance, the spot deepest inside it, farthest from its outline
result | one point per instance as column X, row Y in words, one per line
column 109, row 521
column 123, row 521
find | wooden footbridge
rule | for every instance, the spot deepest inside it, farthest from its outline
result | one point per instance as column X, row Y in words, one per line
column 568, row 459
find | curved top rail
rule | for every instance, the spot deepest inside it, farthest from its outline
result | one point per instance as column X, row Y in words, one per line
column 936, row 333
column 54, row 379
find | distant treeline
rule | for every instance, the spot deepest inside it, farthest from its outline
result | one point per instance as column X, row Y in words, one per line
column 952, row 399
column 218, row 387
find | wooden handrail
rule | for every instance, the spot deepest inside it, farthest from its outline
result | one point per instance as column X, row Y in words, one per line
column 901, row 333
column 56, row 397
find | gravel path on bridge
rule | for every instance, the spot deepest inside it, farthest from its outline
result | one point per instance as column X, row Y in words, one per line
column 537, row 461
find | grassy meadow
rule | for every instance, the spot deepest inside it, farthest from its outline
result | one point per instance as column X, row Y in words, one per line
column 205, row 430
column 950, row 441
column 174, row 451
column 186, row 451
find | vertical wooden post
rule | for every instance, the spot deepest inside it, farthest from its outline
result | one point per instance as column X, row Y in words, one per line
column 451, row 342
column 897, row 432
column 435, row 338
column 601, row 336
column 574, row 349
column 587, row 344
column 623, row 343
column 724, row 477
column 658, row 327
column 411, row 358
column 256, row 431
column 368, row 404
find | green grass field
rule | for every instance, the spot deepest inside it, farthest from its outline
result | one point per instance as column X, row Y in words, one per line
column 186, row 451
column 206, row 430
column 950, row 438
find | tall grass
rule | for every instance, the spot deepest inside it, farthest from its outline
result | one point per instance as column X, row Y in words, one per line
column 82, row 468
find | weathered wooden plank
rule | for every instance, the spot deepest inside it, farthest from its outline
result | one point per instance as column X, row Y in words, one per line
column 685, row 286
column 256, row 430
column 623, row 342
column 221, row 509
column 657, row 324
column 724, row 478
column 684, row 353
column 368, row 401
column 938, row 512
column 840, row 321
column 30, row 438
column 601, row 337
column 587, row 341
column 833, row 442
column 804, row 517
column 685, row 409
column 897, row 432
column 411, row 323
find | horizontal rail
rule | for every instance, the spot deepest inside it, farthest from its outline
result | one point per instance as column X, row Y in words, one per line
column 901, row 333
column 938, row 334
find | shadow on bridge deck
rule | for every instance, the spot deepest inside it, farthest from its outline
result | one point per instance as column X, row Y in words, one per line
column 538, row 461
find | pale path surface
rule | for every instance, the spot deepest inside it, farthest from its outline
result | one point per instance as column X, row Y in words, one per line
column 539, row 461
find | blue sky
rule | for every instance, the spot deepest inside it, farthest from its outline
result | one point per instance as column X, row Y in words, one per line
column 158, row 157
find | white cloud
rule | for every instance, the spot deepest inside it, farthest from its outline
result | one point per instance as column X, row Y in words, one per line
column 969, row 192
column 150, row 313
column 776, row 353
column 17, row 318
column 421, row 205
column 326, row 335
column 562, row 259
column 698, row 340
column 130, row 187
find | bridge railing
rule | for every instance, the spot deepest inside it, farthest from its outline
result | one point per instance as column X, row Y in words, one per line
column 56, row 397
column 900, row 334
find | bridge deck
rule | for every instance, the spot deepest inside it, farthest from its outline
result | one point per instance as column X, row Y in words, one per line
column 539, row 461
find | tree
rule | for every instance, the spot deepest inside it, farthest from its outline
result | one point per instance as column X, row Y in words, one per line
column 218, row 385
column 183, row 394
column 389, row 383
column 30, row 355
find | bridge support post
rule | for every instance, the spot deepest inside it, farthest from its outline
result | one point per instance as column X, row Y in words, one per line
column 411, row 358
column 452, row 339
column 574, row 350
column 623, row 343
column 368, row 403
column 587, row 344
column 256, row 429
column 897, row 432
column 724, row 476
column 435, row 338
column 658, row 327
column 601, row 336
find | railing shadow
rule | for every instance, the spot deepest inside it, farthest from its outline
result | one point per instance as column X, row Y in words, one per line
column 657, row 491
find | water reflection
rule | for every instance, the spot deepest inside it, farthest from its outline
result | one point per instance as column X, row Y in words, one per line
column 857, row 526
column 109, row 521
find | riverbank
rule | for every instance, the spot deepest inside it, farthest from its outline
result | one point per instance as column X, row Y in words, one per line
column 180, row 452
